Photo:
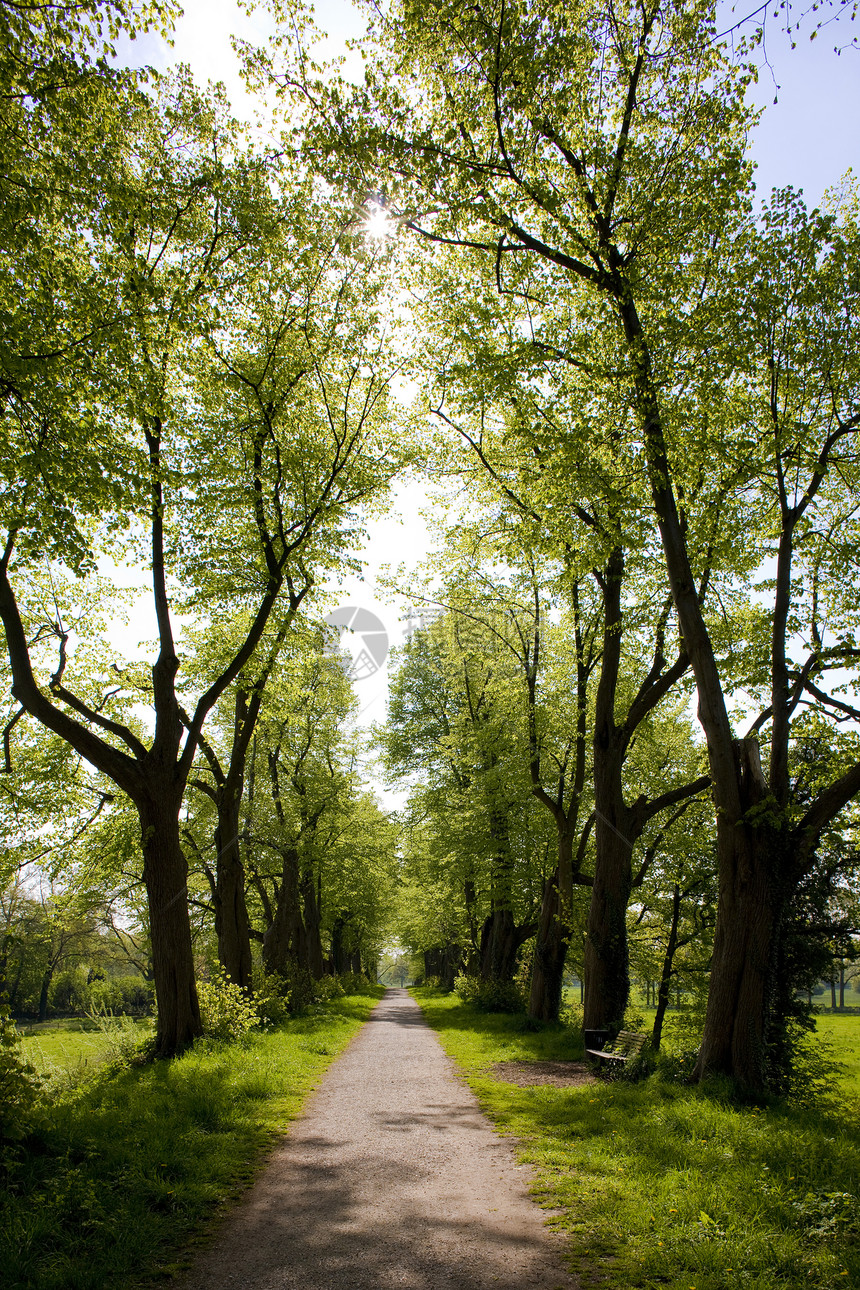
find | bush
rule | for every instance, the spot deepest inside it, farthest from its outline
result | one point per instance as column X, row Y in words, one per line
column 490, row 996
column 74, row 992
column 355, row 983
column 125, row 1042
column 328, row 987
column 572, row 1014
column 20, row 1085
column 226, row 1011
column 807, row 1072
column 271, row 999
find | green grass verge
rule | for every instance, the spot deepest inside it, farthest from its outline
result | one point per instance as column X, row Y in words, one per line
column 132, row 1164
column 662, row 1185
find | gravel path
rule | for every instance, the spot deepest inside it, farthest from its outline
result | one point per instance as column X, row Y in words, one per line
column 392, row 1177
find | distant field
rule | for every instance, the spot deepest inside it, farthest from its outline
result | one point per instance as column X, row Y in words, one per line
column 842, row 1034
column 68, row 1044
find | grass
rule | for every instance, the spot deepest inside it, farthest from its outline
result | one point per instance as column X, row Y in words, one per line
column 663, row 1185
column 131, row 1164
column 73, row 1046
column 841, row 1033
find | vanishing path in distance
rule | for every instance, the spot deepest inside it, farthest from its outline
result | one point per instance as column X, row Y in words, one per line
column 391, row 1177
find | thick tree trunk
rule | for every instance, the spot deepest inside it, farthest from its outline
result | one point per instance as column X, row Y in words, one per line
column 284, row 938
column 313, row 918
column 552, row 941
column 749, row 914
column 165, row 874
column 607, row 971
column 231, row 914
column 339, row 955
column 501, row 939
column 607, row 978
column 607, row 975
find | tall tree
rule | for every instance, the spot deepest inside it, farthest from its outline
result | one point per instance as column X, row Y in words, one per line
column 212, row 440
column 608, row 144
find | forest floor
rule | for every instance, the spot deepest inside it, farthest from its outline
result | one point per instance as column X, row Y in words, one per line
column 391, row 1177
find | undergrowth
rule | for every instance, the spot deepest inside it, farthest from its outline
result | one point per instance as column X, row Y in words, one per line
column 664, row 1185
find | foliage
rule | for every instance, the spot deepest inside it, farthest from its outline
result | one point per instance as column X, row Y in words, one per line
column 490, row 995
column 272, row 1000
column 226, row 1010
column 20, row 1085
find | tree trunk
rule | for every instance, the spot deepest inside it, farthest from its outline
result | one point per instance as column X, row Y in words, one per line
column 666, row 974
column 501, row 939
column 841, row 983
column 607, row 973
column 165, row 874
column 313, row 918
column 751, row 899
column 231, row 914
column 283, row 940
column 553, row 939
column 338, row 950
column 47, row 977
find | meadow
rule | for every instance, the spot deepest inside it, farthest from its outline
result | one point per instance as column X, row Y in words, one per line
column 659, row 1184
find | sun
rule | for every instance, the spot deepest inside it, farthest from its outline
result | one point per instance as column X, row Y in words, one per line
column 378, row 224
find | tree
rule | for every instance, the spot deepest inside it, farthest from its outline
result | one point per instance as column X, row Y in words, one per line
column 608, row 145
column 217, row 419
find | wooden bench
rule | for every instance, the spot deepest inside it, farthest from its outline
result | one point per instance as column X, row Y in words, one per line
column 626, row 1044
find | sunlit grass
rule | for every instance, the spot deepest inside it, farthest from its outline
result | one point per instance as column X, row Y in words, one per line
column 665, row 1185
column 130, row 1163
column 69, row 1045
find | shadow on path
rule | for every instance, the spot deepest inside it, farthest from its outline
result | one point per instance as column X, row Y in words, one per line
column 393, row 1178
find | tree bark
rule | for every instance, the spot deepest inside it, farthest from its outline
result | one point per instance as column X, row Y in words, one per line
column 553, row 939
column 284, row 939
column 745, row 943
column 232, row 926
column 666, row 973
column 165, row 875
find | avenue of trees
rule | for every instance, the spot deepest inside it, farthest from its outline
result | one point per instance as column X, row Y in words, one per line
column 630, row 733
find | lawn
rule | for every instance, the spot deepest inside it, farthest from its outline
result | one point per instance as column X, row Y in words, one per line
column 663, row 1185
column 131, row 1163
column 72, row 1046
column 841, row 1034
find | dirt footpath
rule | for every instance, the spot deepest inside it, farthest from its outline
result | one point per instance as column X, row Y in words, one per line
column 392, row 1177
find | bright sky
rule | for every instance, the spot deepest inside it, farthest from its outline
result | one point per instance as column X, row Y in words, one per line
column 808, row 138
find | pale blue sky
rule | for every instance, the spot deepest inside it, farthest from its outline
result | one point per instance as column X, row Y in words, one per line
column 808, row 138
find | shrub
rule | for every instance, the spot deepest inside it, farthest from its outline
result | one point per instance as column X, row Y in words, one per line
column 20, row 1085
column 124, row 1039
column 490, row 996
column 226, row 1011
column 807, row 1072
column 355, row 983
column 572, row 1014
column 328, row 987
column 271, row 999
